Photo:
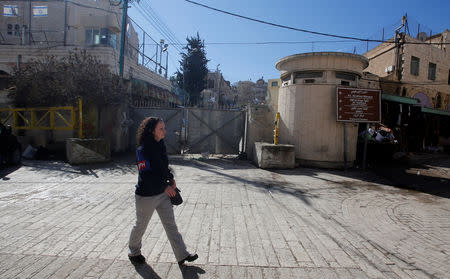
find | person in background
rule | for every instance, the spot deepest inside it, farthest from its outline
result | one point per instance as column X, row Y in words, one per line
column 155, row 186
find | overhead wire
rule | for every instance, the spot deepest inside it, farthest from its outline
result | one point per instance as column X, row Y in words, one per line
column 156, row 43
column 158, row 24
column 297, row 29
column 158, row 19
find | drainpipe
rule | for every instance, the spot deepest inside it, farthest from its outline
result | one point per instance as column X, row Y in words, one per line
column 65, row 22
column 122, row 36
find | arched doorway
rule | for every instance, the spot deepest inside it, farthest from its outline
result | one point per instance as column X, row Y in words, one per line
column 424, row 101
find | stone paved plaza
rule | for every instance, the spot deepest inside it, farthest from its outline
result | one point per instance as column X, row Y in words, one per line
column 61, row 221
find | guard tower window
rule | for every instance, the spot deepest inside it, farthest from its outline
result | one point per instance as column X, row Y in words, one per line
column 346, row 76
column 308, row 75
column 432, row 71
column 274, row 83
column 415, row 62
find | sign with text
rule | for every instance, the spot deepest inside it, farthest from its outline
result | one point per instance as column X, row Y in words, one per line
column 358, row 105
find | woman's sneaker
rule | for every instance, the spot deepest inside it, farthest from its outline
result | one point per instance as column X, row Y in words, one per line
column 139, row 259
column 190, row 258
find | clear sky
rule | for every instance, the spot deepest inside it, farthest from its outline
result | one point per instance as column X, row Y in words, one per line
column 224, row 34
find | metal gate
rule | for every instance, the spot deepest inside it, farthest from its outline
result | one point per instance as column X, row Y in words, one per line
column 196, row 130
column 173, row 119
column 214, row 131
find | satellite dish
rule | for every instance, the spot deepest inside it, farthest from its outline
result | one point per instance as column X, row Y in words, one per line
column 422, row 36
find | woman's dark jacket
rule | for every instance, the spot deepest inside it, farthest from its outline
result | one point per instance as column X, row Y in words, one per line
column 153, row 166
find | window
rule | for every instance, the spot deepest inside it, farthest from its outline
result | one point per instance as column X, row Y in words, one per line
column 404, row 92
column 210, row 83
column 438, row 101
column 346, row 76
column 92, row 36
column 432, row 71
column 113, row 40
column 308, row 74
column 415, row 66
column 274, row 83
column 448, row 77
column 104, row 35
column 310, row 80
column 345, row 83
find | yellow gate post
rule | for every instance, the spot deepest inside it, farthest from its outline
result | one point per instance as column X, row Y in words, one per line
column 277, row 128
column 80, row 116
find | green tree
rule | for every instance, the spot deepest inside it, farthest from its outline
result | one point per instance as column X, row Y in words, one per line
column 54, row 81
column 193, row 69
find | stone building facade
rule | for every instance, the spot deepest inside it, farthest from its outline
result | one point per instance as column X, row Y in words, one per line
column 415, row 67
column 35, row 29
column 218, row 92
column 250, row 92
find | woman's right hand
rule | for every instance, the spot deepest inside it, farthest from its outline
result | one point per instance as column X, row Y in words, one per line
column 170, row 191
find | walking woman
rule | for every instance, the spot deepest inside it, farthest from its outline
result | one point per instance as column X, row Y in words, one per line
column 155, row 186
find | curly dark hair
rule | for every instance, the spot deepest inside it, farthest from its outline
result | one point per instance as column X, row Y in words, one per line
column 145, row 130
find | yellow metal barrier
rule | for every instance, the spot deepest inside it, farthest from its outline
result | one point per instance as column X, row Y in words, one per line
column 42, row 118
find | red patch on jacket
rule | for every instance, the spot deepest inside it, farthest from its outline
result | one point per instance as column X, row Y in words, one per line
column 142, row 165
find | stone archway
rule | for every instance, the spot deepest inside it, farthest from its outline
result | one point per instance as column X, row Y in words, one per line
column 424, row 101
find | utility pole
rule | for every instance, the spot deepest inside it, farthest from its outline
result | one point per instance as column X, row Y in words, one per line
column 122, row 35
column 65, row 22
column 167, row 63
column 160, row 55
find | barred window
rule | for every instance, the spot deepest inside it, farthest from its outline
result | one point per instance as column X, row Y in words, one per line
column 415, row 62
column 432, row 71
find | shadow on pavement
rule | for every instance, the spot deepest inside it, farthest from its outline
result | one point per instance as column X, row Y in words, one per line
column 5, row 171
column 191, row 272
column 146, row 271
column 431, row 177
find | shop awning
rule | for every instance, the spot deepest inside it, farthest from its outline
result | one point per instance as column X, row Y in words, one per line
column 436, row 111
column 398, row 99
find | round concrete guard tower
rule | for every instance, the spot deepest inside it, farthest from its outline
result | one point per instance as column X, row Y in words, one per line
column 307, row 106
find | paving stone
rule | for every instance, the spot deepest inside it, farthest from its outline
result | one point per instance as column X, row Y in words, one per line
column 63, row 221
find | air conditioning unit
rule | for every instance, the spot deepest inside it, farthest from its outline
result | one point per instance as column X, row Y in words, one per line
column 389, row 69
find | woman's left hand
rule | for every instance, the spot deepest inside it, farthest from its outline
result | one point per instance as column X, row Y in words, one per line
column 174, row 185
column 170, row 191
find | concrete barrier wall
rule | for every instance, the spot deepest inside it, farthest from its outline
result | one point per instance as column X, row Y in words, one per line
column 271, row 156
column 86, row 151
column 260, row 126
